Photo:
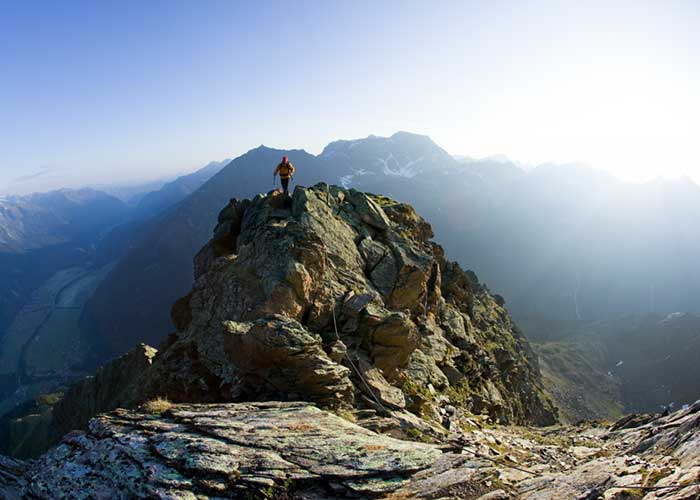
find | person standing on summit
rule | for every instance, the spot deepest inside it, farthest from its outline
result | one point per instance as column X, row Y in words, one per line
column 286, row 171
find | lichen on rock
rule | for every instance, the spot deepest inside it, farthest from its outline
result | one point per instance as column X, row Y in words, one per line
column 293, row 450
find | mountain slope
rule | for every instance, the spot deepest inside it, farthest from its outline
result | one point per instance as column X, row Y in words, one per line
column 636, row 363
column 132, row 303
column 171, row 193
column 655, row 357
column 340, row 298
column 560, row 242
column 576, row 372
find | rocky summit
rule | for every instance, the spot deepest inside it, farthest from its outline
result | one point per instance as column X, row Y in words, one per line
column 328, row 349
column 340, row 298
column 334, row 297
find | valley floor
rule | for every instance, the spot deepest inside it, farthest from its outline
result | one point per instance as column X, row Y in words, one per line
column 43, row 346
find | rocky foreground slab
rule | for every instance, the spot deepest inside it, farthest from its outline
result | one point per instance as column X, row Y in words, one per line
column 296, row 451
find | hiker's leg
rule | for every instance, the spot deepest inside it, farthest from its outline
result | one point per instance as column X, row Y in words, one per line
column 285, row 184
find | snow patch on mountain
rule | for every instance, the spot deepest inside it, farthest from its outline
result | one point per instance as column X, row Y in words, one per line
column 671, row 317
column 346, row 180
column 391, row 166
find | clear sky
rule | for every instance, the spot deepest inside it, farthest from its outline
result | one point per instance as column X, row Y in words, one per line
column 94, row 92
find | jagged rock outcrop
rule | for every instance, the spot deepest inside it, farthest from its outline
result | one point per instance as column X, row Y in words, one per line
column 296, row 451
column 339, row 298
column 281, row 275
column 112, row 386
column 651, row 458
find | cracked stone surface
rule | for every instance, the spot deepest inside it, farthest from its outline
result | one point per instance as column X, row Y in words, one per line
column 228, row 450
column 294, row 450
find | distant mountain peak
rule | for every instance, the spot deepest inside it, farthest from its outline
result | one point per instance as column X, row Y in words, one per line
column 402, row 137
column 402, row 134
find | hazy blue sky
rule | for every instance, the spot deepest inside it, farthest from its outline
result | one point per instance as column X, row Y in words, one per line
column 111, row 91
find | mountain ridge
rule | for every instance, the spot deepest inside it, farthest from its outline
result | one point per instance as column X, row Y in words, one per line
column 340, row 298
column 565, row 255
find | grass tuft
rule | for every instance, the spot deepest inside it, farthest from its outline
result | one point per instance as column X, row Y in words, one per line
column 157, row 406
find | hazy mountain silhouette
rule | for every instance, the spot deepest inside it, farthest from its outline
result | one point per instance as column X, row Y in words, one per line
column 43, row 219
column 169, row 194
column 573, row 243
